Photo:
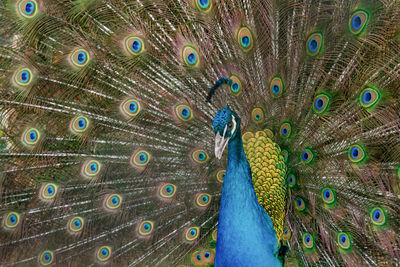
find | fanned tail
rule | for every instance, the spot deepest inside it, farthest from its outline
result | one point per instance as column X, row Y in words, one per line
column 106, row 142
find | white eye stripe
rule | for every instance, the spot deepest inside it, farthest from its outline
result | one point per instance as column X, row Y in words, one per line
column 234, row 125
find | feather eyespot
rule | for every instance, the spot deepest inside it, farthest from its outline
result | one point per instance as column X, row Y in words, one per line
column 167, row 191
column 31, row 136
column 299, row 204
column 140, row 159
column 307, row 156
column 203, row 200
column 130, row 108
column 103, row 253
column 79, row 58
column 113, row 202
column 308, row 240
column 208, row 256
column 79, row 124
column 146, row 228
column 221, row 175
column 192, row 233
column 204, row 5
column 358, row 21
column 245, row 38
column 276, row 87
column 236, row 86
column 190, row 56
column 91, row 168
column 285, row 155
column 183, row 112
column 143, row 158
column 314, row 44
column 75, row 224
column 27, row 8
column 257, row 115
column 292, row 180
column 134, row 45
column 11, row 220
column 46, row 257
column 321, row 103
column 197, row 258
column 369, row 97
column 23, row 77
column 378, row 216
column 286, row 129
column 200, row 156
column 287, row 234
column 48, row 191
column 328, row 196
column 344, row 240
column 357, row 153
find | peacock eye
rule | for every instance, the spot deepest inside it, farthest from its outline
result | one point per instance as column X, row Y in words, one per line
column 230, row 124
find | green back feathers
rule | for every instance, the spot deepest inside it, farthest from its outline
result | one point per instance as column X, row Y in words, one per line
column 268, row 175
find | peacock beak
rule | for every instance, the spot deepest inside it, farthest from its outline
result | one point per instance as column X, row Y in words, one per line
column 220, row 143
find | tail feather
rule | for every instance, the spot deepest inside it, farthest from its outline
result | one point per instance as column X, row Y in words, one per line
column 106, row 146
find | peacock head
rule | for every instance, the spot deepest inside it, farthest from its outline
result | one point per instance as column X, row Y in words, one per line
column 226, row 126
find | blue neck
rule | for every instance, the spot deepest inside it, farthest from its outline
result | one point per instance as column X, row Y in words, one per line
column 236, row 153
column 245, row 236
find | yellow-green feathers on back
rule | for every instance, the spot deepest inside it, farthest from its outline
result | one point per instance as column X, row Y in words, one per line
column 269, row 176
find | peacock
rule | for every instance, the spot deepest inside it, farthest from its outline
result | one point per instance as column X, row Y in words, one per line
column 199, row 133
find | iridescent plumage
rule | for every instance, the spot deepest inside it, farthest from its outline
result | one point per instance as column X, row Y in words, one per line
column 107, row 132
